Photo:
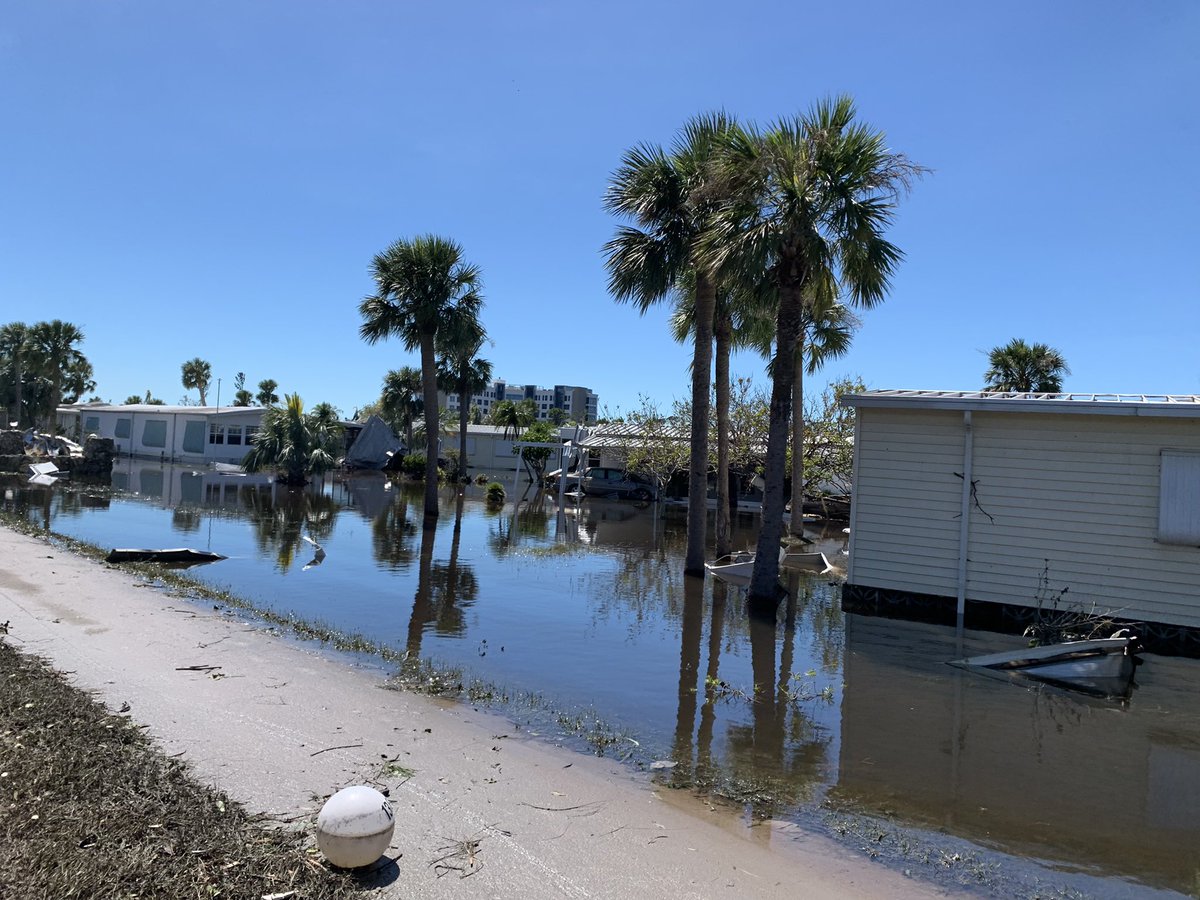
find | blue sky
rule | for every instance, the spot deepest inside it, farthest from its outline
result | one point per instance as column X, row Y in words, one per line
column 212, row 179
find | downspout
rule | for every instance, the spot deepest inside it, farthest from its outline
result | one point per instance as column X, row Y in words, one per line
column 964, row 516
column 858, row 416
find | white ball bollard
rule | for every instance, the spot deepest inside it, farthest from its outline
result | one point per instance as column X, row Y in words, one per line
column 355, row 826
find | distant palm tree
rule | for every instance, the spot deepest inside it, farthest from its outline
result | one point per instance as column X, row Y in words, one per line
column 816, row 193
column 14, row 340
column 400, row 401
column 419, row 284
column 462, row 372
column 670, row 199
column 266, row 395
column 293, row 444
column 197, row 373
column 58, row 364
column 1025, row 368
column 241, row 396
column 513, row 417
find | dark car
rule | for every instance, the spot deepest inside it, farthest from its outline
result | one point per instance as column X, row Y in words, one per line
column 602, row 481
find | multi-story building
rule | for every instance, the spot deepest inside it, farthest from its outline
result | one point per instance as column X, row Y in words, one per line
column 579, row 403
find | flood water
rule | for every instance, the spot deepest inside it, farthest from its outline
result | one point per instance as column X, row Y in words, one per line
column 583, row 629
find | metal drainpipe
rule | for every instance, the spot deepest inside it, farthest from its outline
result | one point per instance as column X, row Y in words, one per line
column 964, row 524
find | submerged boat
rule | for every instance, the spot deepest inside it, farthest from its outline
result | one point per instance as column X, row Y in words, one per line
column 1100, row 665
column 733, row 568
column 173, row 555
column 809, row 561
column 736, row 568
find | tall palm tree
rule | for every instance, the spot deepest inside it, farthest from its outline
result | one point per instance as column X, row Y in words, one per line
column 293, row 444
column 670, row 199
column 1026, row 368
column 14, row 339
column 266, row 395
column 462, row 372
column 400, row 400
column 816, row 193
column 56, row 361
column 419, row 283
column 197, row 373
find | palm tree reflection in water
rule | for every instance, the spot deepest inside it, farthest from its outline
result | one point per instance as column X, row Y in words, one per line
column 444, row 590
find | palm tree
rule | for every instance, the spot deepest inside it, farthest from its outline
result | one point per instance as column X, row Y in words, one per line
column 670, row 200
column 513, row 417
column 1025, row 368
column 295, row 445
column 197, row 373
column 815, row 195
column 57, row 363
column 420, row 283
column 14, row 339
column 266, row 395
column 400, row 400
column 462, row 372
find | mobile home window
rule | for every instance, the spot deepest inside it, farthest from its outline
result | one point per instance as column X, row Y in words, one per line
column 233, row 434
column 216, row 434
column 193, row 436
column 1179, row 497
column 91, row 424
column 154, row 433
column 251, row 433
column 122, row 428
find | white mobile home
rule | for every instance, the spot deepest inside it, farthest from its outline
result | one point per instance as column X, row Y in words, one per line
column 982, row 503
column 195, row 435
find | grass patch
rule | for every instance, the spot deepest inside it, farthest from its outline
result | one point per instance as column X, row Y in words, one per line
column 89, row 807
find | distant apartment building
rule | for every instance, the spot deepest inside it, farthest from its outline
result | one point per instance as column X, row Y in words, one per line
column 579, row 403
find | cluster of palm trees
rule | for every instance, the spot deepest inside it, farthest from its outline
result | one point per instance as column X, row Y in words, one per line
column 760, row 237
column 41, row 367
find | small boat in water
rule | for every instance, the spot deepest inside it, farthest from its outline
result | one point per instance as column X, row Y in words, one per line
column 733, row 568
column 736, row 568
column 809, row 561
column 1100, row 665
column 178, row 556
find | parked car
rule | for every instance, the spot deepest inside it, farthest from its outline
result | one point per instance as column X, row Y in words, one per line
column 602, row 481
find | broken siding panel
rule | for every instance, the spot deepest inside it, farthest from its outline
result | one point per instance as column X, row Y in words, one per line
column 907, row 500
column 1081, row 497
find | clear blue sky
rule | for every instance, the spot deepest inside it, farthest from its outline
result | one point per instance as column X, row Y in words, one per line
column 212, row 179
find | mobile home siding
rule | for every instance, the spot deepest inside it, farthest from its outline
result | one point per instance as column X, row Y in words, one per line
column 1073, row 496
column 907, row 500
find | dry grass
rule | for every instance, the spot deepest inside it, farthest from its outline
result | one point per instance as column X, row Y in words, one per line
column 90, row 808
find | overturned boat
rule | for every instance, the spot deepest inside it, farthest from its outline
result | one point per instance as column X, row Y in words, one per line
column 1104, row 665
column 176, row 556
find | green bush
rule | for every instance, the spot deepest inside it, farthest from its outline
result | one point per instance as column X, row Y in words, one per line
column 414, row 465
column 495, row 493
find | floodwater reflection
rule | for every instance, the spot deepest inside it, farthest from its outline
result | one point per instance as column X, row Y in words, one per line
column 781, row 712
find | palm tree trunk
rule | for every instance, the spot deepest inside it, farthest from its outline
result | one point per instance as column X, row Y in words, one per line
column 697, row 521
column 796, row 526
column 463, row 410
column 723, row 331
column 764, row 581
column 18, row 377
column 429, row 390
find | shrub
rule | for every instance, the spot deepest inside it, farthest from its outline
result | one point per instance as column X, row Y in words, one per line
column 414, row 465
column 495, row 493
column 481, row 479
